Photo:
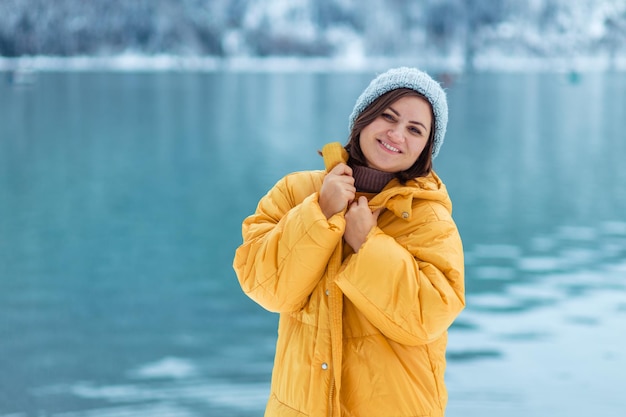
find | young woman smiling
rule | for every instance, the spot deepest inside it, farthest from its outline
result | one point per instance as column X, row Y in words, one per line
column 364, row 263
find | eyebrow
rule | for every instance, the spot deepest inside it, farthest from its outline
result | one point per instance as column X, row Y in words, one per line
column 410, row 121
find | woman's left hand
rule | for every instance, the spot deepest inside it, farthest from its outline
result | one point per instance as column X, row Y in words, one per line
column 359, row 222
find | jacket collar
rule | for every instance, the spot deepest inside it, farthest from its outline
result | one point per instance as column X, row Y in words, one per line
column 396, row 197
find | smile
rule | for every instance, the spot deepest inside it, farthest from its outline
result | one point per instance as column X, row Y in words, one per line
column 389, row 147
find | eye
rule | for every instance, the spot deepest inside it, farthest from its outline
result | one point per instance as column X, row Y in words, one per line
column 415, row 131
column 388, row 116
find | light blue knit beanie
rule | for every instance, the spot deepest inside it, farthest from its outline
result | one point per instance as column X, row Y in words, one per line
column 414, row 79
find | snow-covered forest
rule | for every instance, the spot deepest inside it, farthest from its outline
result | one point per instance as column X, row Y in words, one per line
column 314, row 28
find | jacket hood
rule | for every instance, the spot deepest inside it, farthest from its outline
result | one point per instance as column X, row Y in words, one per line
column 400, row 198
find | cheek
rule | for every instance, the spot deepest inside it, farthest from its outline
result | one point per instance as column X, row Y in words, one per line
column 369, row 130
column 417, row 146
column 367, row 137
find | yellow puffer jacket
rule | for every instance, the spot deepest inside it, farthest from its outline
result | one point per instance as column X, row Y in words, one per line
column 359, row 334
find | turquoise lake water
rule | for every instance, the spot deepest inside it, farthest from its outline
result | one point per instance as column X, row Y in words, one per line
column 122, row 196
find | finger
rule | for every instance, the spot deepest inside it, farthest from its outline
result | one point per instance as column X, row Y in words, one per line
column 376, row 213
column 342, row 169
column 345, row 179
column 338, row 169
column 362, row 200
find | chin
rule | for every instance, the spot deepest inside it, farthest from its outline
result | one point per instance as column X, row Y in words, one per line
column 389, row 170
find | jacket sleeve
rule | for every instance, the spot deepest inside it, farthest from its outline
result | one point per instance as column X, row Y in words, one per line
column 286, row 247
column 411, row 293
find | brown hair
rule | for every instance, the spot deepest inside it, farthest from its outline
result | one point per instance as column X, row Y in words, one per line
column 424, row 163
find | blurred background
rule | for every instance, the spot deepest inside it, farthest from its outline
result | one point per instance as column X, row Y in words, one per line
column 136, row 136
column 455, row 34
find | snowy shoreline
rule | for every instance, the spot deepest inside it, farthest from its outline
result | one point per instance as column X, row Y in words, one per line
column 494, row 62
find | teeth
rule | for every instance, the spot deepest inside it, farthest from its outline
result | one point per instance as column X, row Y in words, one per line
column 391, row 148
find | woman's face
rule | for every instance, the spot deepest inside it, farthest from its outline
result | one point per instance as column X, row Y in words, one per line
column 396, row 138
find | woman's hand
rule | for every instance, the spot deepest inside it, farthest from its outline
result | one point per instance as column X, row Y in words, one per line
column 359, row 221
column 337, row 190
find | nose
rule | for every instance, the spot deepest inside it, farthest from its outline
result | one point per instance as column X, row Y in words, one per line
column 395, row 134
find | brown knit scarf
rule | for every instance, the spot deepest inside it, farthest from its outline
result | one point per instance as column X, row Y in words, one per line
column 370, row 180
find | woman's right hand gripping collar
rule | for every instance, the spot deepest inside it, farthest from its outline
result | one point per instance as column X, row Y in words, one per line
column 337, row 190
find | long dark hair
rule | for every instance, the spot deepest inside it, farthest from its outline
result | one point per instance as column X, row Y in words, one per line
column 424, row 163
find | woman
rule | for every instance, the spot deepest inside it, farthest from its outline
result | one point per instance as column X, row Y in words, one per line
column 363, row 262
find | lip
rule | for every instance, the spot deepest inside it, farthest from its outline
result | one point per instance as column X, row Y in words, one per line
column 383, row 145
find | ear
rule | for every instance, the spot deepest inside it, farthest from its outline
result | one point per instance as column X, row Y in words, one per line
column 334, row 153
